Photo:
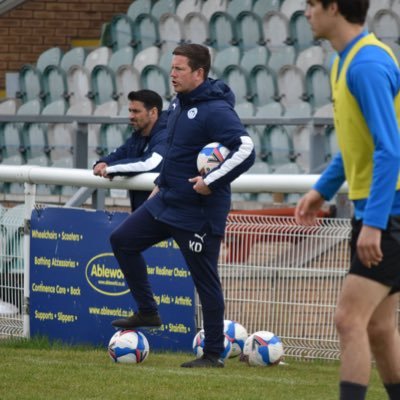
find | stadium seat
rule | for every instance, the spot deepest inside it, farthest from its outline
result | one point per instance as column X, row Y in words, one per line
column 269, row 110
column 9, row 106
column 102, row 82
column 395, row 7
column 75, row 56
column 280, row 56
column 111, row 137
column 300, row 33
column 222, row 31
column 237, row 79
column 318, row 87
column 122, row 31
column 235, row 7
column 78, row 76
column 161, row 7
column 14, row 148
column 249, row 30
column 108, row 109
column 245, row 109
column 150, row 55
column 275, row 28
column 289, row 7
column 196, row 30
column 138, row 7
column 262, row 7
column 171, row 29
column 146, row 31
column 127, row 78
column 166, row 55
column 154, row 78
column 61, row 136
column 300, row 135
column 291, row 85
column 225, row 57
column 187, row 6
column 260, row 167
column 30, row 83
column 377, row 5
column 52, row 56
column 277, row 146
column 386, row 25
column 98, row 56
column 332, row 144
column 208, row 8
column 54, row 84
column 314, row 55
column 257, row 55
column 263, row 85
column 124, row 56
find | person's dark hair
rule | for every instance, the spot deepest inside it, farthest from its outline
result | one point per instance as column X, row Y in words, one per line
column 149, row 98
column 355, row 11
column 198, row 56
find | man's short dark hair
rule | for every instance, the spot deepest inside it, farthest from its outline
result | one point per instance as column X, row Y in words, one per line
column 198, row 55
column 355, row 11
column 149, row 98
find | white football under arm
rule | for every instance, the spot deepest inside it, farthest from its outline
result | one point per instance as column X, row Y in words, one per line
column 140, row 166
column 238, row 157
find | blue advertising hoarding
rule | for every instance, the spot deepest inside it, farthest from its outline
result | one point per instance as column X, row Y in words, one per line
column 77, row 288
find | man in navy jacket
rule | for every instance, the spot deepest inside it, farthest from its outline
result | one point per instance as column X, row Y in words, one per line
column 190, row 208
column 144, row 150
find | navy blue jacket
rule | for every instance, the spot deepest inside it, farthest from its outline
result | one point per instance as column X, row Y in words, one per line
column 137, row 155
column 195, row 119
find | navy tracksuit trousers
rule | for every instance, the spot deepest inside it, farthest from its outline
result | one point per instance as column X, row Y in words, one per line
column 141, row 230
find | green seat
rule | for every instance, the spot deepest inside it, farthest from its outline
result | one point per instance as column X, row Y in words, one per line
column 30, row 83
column 222, row 31
column 263, row 85
column 103, row 84
column 236, row 78
column 249, row 30
column 318, row 87
column 146, row 31
column 257, row 55
column 300, row 33
column 123, row 32
column 154, row 78
column 54, row 84
column 138, row 7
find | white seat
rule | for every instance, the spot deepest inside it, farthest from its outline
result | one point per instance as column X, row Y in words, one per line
column 147, row 56
column 291, row 85
column 171, row 29
column 209, row 7
column 127, row 79
column 275, row 28
column 195, row 26
column 99, row 56
column 311, row 56
column 289, row 7
column 187, row 6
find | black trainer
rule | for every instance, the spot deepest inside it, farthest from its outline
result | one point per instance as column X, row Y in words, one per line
column 138, row 320
column 206, row 361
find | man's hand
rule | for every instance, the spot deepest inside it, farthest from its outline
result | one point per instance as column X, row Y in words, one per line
column 100, row 169
column 308, row 207
column 369, row 246
column 199, row 186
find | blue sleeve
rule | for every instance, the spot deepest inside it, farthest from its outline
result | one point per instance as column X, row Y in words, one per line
column 331, row 179
column 118, row 154
column 374, row 80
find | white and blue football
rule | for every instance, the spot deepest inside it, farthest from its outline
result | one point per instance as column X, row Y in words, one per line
column 198, row 345
column 128, row 346
column 263, row 348
column 210, row 156
column 237, row 334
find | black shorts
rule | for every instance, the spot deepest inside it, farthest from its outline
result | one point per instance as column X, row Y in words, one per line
column 387, row 271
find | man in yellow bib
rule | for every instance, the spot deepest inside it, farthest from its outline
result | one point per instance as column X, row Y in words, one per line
column 365, row 82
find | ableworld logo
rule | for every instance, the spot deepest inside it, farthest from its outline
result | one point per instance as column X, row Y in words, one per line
column 104, row 275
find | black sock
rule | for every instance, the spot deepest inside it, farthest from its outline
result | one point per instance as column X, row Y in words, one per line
column 352, row 391
column 393, row 390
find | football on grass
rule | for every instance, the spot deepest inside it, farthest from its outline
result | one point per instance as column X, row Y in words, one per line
column 198, row 345
column 128, row 346
column 210, row 156
column 263, row 348
column 237, row 335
